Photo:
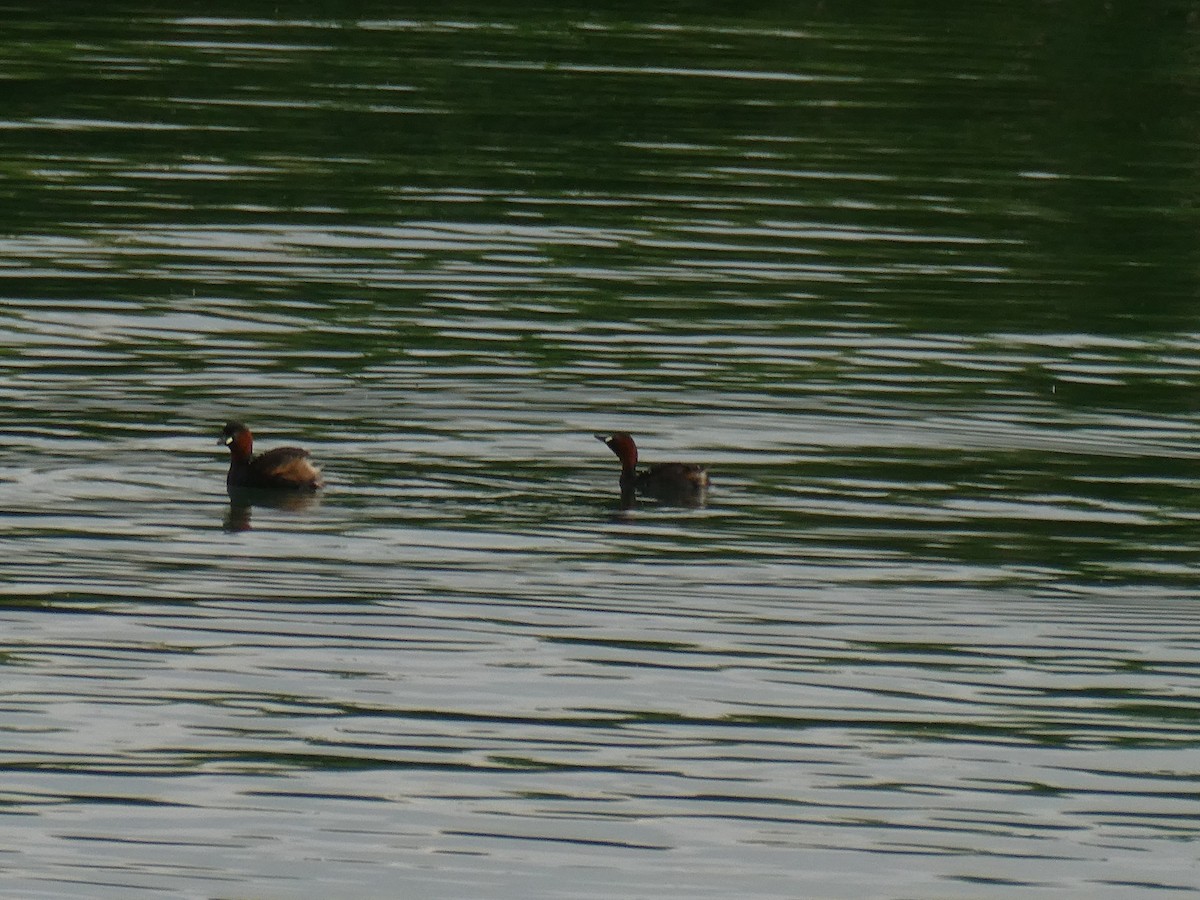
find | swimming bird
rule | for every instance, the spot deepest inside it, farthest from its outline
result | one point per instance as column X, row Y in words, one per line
column 676, row 483
column 282, row 469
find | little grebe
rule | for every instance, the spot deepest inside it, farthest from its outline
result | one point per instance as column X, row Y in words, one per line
column 682, row 483
column 286, row 468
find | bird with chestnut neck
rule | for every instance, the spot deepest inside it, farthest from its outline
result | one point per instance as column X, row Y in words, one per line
column 675, row 483
column 282, row 469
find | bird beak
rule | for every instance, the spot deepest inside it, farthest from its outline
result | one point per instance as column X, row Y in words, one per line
column 601, row 437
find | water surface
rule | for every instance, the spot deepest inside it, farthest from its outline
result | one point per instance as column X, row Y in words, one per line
column 920, row 288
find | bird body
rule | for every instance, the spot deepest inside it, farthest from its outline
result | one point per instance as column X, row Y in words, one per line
column 282, row 469
column 672, row 482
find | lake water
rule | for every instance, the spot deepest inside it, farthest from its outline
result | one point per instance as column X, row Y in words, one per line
column 919, row 286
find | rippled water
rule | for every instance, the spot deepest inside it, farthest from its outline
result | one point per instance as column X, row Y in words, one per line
column 897, row 280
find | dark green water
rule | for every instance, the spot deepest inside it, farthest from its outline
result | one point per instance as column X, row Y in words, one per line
column 919, row 285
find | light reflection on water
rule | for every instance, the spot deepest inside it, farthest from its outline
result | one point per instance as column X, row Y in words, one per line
column 937, row 615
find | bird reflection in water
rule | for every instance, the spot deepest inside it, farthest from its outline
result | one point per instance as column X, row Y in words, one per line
column 629, row 503
column 242, row 502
